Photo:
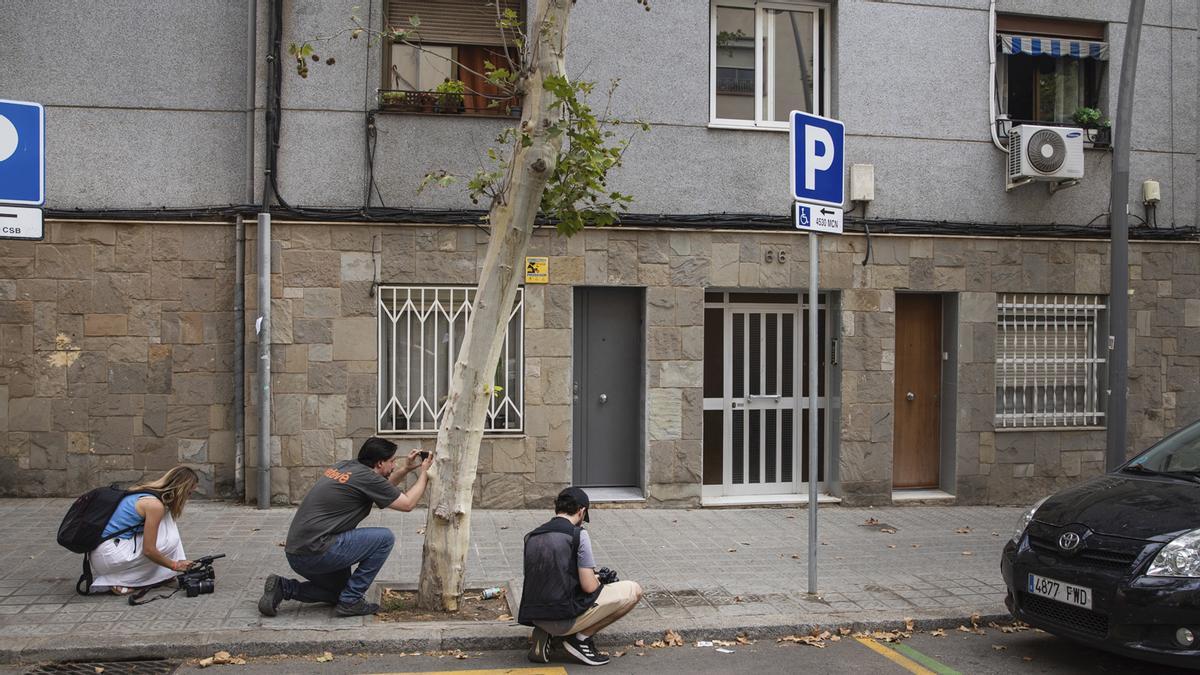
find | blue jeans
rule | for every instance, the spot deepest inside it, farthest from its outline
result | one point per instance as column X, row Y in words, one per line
column 329, row 577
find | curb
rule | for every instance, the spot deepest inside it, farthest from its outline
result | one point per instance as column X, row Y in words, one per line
column 445, row 636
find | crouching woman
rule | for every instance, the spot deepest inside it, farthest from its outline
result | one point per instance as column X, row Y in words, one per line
column 147, row 549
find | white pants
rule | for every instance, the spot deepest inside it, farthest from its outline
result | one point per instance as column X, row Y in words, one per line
column 119, row 562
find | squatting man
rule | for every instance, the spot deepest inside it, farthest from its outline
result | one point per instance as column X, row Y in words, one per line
column 563, row 598
column 324, row 541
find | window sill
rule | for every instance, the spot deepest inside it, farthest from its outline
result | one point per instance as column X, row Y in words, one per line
column 744, row 127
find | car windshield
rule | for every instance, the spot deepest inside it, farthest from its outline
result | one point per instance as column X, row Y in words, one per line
column 1177, row 453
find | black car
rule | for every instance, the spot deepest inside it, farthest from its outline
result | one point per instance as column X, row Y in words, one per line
column 1115, row 562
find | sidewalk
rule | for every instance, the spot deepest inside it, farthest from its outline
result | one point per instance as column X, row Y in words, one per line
column 707, row 574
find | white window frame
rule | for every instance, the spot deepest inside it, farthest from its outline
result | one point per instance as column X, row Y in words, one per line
column 407, row 308
column 821, row 83
column 1048, row 373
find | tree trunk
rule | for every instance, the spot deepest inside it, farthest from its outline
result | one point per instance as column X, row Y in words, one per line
column 452, row 476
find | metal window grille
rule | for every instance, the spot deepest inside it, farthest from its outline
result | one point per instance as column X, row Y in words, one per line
column 1050, row 360
column 421, row 329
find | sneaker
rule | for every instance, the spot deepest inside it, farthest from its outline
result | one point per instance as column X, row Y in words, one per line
column 272, row 595
column 584, row 650
column 539, row 651
column 358, row 608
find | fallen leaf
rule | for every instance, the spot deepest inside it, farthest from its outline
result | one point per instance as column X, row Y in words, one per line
column 732, row 550
column 908, row 624
column 325, row 658
column 737, row 598
column 967, row 553
column 810, row 640
column 222, row 657
column 255, row 529
column 657, row 644
column 281, row 543
column 98, row 670
column 916, row 546
column 617, row 655
column 504, row 527
column 999, row 648
column 639, row 643
column 672, row 638
column 963, row 530
column 641, row 653
column 975, row 620
column 205, row 662
column 843, row 631
column 743, row 639
column 504, row 617
column 795, row 556
column 724, row 643
column 995, row 534
column 460, row 655
column 421, row 531
column 891, row 546
column 871, row 521
column 940, row 632
column 887, row 530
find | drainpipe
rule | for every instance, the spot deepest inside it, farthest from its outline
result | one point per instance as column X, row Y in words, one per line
column 1118, row 312
column 263, row 323
column 239, row 265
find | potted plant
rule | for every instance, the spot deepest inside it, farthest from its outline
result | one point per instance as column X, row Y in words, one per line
column 1096, row 126
column 450, row 96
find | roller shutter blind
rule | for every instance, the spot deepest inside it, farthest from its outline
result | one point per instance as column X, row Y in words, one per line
column 453, row 22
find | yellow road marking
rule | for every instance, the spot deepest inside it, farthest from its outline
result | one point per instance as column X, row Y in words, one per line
column 893, row 656
column 547, row 670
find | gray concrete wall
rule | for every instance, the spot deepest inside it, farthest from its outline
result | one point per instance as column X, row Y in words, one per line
column 148, row 110
column 144, row 103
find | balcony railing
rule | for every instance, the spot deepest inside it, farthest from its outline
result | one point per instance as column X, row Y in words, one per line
column 443, row 103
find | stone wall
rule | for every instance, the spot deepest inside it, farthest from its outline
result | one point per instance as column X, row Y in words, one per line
column 117, row 352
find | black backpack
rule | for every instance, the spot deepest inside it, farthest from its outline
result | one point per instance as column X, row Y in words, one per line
column 82, row 529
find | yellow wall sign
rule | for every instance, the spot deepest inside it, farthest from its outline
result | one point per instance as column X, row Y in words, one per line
column 537, row 270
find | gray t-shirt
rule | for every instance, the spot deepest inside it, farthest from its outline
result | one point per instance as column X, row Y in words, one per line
column 337, row 503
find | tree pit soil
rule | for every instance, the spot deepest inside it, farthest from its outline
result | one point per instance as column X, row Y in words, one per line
column 401, row 606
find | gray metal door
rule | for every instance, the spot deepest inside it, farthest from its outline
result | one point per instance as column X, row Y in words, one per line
column 607, row 387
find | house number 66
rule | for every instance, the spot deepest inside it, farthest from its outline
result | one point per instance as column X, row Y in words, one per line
column 773, row 256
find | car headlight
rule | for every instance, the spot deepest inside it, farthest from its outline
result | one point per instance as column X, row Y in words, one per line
column 1026, row 517
column 1180, row 558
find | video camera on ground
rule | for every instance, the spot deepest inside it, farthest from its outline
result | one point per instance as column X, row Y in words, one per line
column 200, row 578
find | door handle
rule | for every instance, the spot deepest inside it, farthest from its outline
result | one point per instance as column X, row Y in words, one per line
column 910, row 396
column 604, row 398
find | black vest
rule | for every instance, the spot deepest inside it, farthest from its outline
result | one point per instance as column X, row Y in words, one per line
column 551, row 590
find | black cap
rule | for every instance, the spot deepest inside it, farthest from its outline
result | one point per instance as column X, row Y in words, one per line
column 580, row 497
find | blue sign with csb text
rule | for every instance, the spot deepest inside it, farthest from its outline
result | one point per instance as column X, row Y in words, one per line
column 818, row 159
column 22, row 153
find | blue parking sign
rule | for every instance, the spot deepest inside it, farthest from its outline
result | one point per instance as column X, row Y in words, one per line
column 818, row 159
column 22, row 153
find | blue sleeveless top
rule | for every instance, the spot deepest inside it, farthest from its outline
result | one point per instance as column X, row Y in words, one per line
column 126, row 516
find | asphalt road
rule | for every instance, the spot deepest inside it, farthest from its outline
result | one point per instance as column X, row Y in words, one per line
column 1029, row 652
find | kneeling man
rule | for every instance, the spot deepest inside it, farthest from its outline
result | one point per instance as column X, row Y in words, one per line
column 562, row 595
column 325, row 542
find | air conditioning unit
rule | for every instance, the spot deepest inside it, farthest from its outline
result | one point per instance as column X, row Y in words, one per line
column 1049, row 154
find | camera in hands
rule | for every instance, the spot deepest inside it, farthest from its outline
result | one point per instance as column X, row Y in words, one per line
column 200, row 578
column 607, row 576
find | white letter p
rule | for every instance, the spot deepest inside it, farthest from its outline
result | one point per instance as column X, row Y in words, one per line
column 812, row 161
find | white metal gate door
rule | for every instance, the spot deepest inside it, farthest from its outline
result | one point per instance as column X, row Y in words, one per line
column 761, row 381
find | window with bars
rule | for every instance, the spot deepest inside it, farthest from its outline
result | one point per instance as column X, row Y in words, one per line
column 421, row 329
column 1050, row 360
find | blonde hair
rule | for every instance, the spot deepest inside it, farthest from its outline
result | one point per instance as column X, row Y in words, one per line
column 173, row 488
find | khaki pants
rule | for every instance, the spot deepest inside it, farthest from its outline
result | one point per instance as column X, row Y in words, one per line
column 616, row 598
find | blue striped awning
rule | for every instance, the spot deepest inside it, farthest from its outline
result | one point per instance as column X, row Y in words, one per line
column 1046, row 46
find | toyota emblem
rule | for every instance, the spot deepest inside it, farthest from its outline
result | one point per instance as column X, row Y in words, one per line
column 1069, row 541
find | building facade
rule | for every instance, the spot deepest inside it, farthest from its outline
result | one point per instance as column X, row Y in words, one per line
column 963, row 342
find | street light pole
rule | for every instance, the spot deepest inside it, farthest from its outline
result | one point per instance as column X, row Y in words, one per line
column 1118, row 313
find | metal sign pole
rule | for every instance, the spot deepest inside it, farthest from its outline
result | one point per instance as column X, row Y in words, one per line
column 812, row 412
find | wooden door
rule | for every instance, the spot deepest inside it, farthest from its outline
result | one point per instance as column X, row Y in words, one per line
column 916, row 447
